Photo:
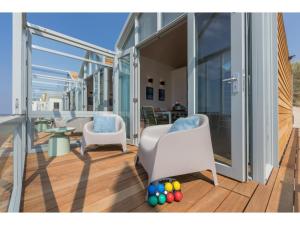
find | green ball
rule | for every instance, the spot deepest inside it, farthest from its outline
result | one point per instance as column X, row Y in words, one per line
column 152, row 200
column 161, row 199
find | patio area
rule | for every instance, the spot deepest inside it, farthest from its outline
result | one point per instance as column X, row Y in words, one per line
column 106, row 180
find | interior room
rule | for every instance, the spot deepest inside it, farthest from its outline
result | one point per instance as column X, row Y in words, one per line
column 163, row 77
column 89, row 87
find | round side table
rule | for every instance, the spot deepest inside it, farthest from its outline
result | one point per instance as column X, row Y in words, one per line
column 59, row 142
column 41, row 125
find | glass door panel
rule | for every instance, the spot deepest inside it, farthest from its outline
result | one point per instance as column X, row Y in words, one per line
column 124, row 93
column 219, row 95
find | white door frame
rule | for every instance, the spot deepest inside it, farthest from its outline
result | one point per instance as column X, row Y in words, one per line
column 238, row 136
column 133, row 95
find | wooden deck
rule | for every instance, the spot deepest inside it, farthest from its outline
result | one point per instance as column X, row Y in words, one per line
column 106, row 180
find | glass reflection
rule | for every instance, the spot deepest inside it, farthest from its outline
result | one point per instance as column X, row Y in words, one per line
column 214, row 65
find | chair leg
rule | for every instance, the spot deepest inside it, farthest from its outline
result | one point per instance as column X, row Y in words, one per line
column 124, row 147
column 82, row 147
column 214, row 174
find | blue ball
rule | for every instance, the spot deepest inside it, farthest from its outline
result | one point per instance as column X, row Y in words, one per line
column 151, row 189
column 160, row 188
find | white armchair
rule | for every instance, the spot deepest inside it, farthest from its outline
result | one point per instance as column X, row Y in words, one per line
column 89, row 137
column 164, row 154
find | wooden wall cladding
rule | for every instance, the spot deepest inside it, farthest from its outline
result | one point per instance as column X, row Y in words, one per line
column 285, row 89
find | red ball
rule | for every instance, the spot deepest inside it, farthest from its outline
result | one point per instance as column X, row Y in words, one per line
column 178, row 196
column 170, row 197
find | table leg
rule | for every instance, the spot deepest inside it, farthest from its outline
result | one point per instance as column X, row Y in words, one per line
column 59, row 144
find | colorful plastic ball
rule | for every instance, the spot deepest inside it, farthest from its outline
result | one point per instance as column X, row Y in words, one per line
column 165, row 192
column 176, row 185
column 170, row 197
column 161, row 199
column 160, row 188
column 152, row 200
column 178, row 196
column 151, row 189
column 168, row 187
column 157, row 194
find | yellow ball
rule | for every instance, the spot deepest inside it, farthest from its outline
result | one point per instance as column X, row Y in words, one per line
column 176, row 185
column 168, row 187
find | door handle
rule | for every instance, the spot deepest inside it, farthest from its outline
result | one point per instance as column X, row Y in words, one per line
column 234, row 81
column 230, row 79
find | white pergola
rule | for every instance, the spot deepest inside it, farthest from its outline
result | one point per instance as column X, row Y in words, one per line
column 24, row 80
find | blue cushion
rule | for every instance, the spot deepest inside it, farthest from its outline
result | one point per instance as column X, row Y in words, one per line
column 185, row 124
column 104, row 124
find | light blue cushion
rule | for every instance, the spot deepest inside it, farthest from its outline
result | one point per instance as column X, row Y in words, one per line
column 185, row 124
column 104, row 124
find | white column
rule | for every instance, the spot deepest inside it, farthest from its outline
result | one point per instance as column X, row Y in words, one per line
column 19, row 95
column 192, row 87
column 264, row 95
column 159, row 21
column 19, row 67
column 136, row 30
column 105, row 88
column 84, row 88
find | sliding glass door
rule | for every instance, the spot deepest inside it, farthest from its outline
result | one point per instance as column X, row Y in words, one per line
column 220, row 92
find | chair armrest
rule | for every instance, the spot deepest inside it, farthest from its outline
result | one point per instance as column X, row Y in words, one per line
column 156, row 131
column 175, row 141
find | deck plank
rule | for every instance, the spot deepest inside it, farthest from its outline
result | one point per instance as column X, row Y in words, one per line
column 224, row 182
column 282, row 196
column 246, row 188
column 233, row 203
column 211, row 201
column 260, row 198
column 297, row 178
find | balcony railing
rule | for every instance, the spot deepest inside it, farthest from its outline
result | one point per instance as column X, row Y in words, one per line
column 12, row 157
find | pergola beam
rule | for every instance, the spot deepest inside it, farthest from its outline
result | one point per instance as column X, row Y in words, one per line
column 56, row 36
column 56, row 52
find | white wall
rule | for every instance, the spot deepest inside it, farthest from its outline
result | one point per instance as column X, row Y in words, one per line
column 175, row 83
column 51, row 101
column 179, row 86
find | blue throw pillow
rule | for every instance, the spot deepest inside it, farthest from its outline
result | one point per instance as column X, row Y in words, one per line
column 104, row 124
column 185, row 124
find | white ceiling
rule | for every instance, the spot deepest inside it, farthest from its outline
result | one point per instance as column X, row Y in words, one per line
column 169, row 48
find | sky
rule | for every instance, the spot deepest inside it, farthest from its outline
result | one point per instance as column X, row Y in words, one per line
column 5, row 62
column 101, row 29
column 291, row 23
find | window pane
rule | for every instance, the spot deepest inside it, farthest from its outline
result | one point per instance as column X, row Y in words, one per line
column 213, row 30
column 169, row 17
column 147, row 25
